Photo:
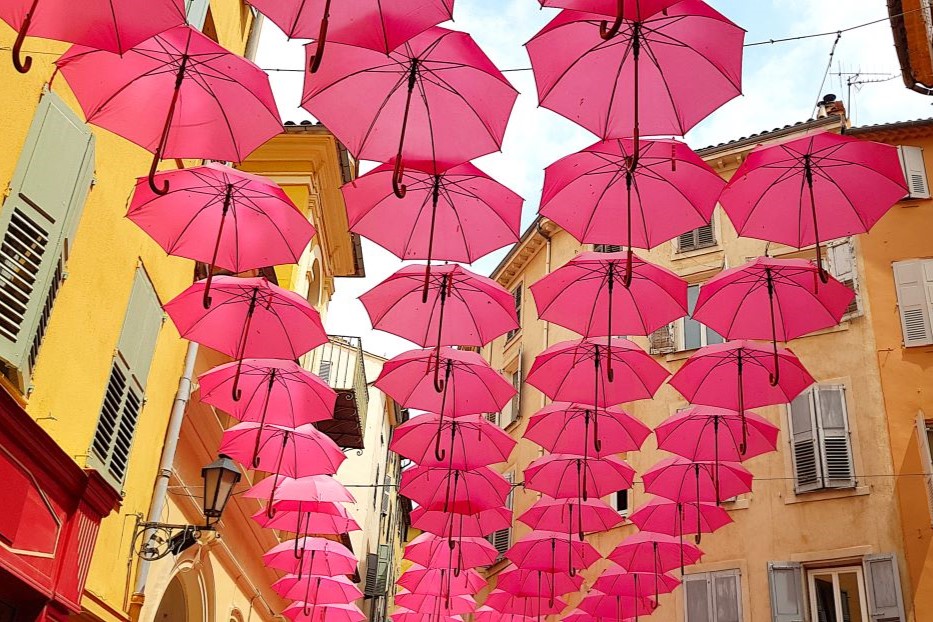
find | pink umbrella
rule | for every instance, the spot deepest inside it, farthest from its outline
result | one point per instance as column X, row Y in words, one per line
column 776, row 299
column 321, row 590
column 488, row 614
column 549, row 551
column 440, row 581
column 693, row 65
column 405, row 615
column 505, row 602
column 522, row 582
column 470, row 214
column 677, row 519
column 100, row 24
column 819, row 187
column 293, row 452
column 616, row 607
column 448, row 525
column 178, row 95
column 325, row 557
column 447, row 605
column 572, row 515
column 572, row 477
column 314, row 488
column 470, row 385
column 250, row 318
column 462, row 106
column 256, row 224
column 577, row 371
column 473, row 442
column 680, row 479
column 433, row 552
column 654, row 552
column 565, row 428
column 652, row 298
column 602, row 195
column 631, row 10
column 621, row 582
column 306, row 522
column 375, row 25
column 274, row 391
column 458, row 492
column 324, row 613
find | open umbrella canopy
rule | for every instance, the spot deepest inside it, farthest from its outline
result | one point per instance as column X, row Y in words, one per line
column 319, row 589
column 293, row 452
column 434, row 552
column 572, row 477
column 475, row 525
column 274, row 391
column 677, row 519
column 463, row 443
column 307, row 612
column 448, row 604
column 577, row 429
column 458, row 492
column 521, row 582
column 618, row 581
column 571, row 515
column 654, row 552
column 321, row 557
column 505, row 602
column 684, row 63
column 631, row 9
column 304, row 523
column 549, row 551
column 319, row 488
column 578, row 371
column 406, row 615
column 707, row 433
column 440, row 581
column 488, row 614
column 651, row 298
column 680, row 479
column 616, row 607
column 470, row 385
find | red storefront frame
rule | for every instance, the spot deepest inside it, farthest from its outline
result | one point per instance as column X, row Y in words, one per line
column 50, row 512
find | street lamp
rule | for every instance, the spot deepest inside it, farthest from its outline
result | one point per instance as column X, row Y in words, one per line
column 152, row 541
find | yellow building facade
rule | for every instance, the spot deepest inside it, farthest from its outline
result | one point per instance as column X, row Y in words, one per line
column 805, row 545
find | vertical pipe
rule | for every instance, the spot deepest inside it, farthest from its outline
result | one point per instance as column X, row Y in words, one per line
column 547, row 270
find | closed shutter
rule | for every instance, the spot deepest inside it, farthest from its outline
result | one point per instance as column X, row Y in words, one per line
column 197, row 12
column 785, row 580
column 697, row 598
column 37, row 222
column 324, row 370
column 926, row 458
column 833, row 419
column 914, row 171
column 804, row 447
column 372, row 574
column 702, row 237
column 608, row 248
column 517, row 296
column 726, row 592
column 492, row 418
column 502, row 539
column 514, row 410
column 124, row 395
column 843, row 266
column 382, row 569
column 661, row 341
column 883, row 584
column 914, row 282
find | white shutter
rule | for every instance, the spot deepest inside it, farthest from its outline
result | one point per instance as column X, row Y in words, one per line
column 492, row 418
column 926, row 458
column 803, row 442
column 502, row 539
column 661, row 341
column 608, row 248
column 785, row 580
column 835, row 441
column 697, row 601
column 197, row 12
column 914, row 282
column 727, row 596
column 843, row 266
column 914, row 171
column 883, row 584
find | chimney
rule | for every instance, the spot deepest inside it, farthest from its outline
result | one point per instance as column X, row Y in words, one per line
column 830, row 106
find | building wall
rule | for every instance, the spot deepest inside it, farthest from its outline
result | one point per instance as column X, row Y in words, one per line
column 772, row 523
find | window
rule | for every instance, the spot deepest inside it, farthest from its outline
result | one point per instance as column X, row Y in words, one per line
column 513, row 410
column 690, row 334
column 197, row 12
column 914, row 283
column 620, row 501
column 925, row 442
column 820, row 442
column 702, row 237
column 837, row 595
column 37, row 225
column 608, row 248
column 713, row 597
column 517, row 298
column 840, row 259
column 915, row 172
column 126, row 388
column 502, row 539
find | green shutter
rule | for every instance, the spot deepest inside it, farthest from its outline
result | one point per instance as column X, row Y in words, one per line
column 124, row 395
column 197, row 12
column 37, row 221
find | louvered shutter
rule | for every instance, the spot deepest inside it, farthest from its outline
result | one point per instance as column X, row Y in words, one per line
column 914, row 282
column 517, row 296
column 126, row 387
column 197, row 12
column 726, row 592
column 926, row 458
column 836, row 445
column 842, row 265
column 502, row 539
column 697, row 598
column 37, row 220
column 883, row 584
column 518, row 376
column 661, row 341
column 702, row 237
column 804, row 447
column 372, row 574
column 608, row 248
column 382, row 570
column 492, row 418
column 324, row 370
column 914, row 171
column 785, row 580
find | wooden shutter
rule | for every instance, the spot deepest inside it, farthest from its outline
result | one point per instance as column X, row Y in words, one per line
column 124, row 395
column 726, row 592
column 324, row 370
column 661, row 341
column 803, row 442
column 702, row 237
column 697, row 601
column 372, row 574
column 518, row 377
column 37, row 220
column 926, row 458
column 197, row 12
column 382, row 569
column 835, row 441
column 883, row 584
column 502, row 539
column 785, row 580
column 914, row 282
column 492, row 418
column 608, row 248
column 517, row 295
column 843, row 266
column 914, row 171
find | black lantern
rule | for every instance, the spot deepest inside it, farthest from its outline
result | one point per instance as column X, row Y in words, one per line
column 220, row 477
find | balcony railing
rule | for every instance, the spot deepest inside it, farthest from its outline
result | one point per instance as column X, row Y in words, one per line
column 340, row 363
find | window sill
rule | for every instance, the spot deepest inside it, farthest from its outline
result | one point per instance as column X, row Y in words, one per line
column 679, row 355
column 827, row 495
column 709, row 250
column 513, row 425
column 495, row 569
column 510, row 342
column 739, row 504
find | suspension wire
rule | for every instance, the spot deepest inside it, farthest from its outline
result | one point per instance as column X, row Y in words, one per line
column 829, row 66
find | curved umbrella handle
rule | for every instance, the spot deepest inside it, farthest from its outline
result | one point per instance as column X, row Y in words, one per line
column 398, row 175
column 775, row 377
column 315, row 61
column 22, row 65
column 605, row 31
column 597, row 444
column 270, row 511
column 237, row 393
column 439, row 453
column 152, row 172
column 438, row 383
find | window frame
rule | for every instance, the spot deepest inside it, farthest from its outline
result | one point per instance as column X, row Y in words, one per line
column 518, row 299
column 698, row 248
column 835, row 571
column 711, row 594
column 919, row 301
column 818, row 438
column 680, row 325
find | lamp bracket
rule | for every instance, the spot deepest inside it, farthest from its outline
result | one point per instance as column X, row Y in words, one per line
column 153, row 541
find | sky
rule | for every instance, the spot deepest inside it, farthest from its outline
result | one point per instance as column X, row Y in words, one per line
column 781, row 85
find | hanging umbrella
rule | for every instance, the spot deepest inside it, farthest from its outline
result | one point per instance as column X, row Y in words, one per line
column 654, row 552
column 567, row 428
column 686, row 61
column 250, row 318
column 812, row 189
column 292, row 452
column 640, row 194
column 440, row 581
column 488, row 614
column 463, row 443
column 288, row 493
column 572, row 477
column 631, row 10
column 458, row 492
column 615, row 607
column 324, row 557
column 317, row 589
column 433, row 552
column 678, row 519
column 324, row 613
column 565, row 372
column 101, row 24
column 617, row 581
column 375, row 25
column 470, row 385
column 572, row 515
column 680, row 479
column 507, row 603
column 460, row 214
column 549, row 551
column 405, row 615
column 462, row 106
column 447, row 605
column 522, row 582
column 274, row 391
column 222, row 217
column 178, row 95
column 475, row 525
column 305, row 523
column 776, row 299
